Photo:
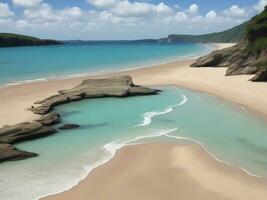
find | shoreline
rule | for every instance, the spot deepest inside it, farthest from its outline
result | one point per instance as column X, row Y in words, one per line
column 15, row 99
column 212, row 46
column 182, row 156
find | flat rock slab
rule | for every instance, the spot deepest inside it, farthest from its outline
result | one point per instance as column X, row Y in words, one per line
column 8, row 152
column 24, row 131
column 49, row 119
column 120, row 86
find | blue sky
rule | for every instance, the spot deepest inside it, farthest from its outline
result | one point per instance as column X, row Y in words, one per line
column 122, row 19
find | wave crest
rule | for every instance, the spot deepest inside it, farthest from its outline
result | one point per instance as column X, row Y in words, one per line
column 148, row 116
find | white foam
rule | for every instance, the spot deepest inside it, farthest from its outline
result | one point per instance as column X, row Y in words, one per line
column 111, row 148
column 25, row 81
column 211, row 154
column 148, row 116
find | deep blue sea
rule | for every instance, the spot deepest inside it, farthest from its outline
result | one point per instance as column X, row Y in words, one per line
column 26, row 64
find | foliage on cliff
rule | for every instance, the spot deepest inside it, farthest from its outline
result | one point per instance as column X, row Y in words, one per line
column 256, row 33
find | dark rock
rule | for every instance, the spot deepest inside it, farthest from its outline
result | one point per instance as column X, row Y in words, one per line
column 219, row 58
column 24, row 131
column 49, row 119
column 120, row 86
column 69, row 126
column 10, row 153
column 261, row 76
column 238, row 61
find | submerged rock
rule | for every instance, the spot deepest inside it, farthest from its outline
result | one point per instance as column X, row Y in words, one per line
column 69, row 126
column 121, row 86
column 8, row 152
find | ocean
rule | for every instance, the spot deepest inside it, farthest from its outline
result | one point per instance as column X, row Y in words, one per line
column 39, row 63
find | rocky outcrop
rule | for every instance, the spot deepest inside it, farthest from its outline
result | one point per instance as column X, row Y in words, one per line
column 247, row 57
column 49, row 119
column 69, row 126
column 260, row 76
column 121, row 86
column 24, row 131
column 9, row 153
column 237, row 60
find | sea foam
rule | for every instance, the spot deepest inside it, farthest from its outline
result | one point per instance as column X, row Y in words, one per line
column 148, row 116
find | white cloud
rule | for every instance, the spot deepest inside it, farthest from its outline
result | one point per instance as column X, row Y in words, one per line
column 260, row 5
column 235, row 11
column 137, row 9
column 73, row 12
column 180, row 17
column 21, row 24
column 193, row 9
column 5, row 11
column 117, row 19
column 103, row 3
column 26, row 3
column 211, row 15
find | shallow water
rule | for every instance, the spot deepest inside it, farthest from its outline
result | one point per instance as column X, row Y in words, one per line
column 26, row 64
column 228, row 132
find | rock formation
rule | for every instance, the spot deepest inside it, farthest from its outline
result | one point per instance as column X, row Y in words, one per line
column 24, row 131
column 247, row 57
column 121, row 86
column 9, row 153
column 49, row 119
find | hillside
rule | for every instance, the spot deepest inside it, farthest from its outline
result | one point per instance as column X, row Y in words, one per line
column 14, row 40
column 249, row 56
column 234, row 34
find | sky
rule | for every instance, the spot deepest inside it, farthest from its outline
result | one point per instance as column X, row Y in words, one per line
column 123, row 19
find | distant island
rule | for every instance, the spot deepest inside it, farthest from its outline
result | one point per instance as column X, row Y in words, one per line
column 15, row 40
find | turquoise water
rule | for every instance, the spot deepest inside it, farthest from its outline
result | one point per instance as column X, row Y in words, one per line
column 25, row 64
column 228, row 132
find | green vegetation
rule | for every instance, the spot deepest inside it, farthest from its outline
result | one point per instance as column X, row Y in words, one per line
column 262, row 64
column 235, row 34
column 14, row 40
column 256, row 33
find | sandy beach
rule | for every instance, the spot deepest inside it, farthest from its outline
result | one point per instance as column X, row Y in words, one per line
column 160, row 170
column 165, row 171
column 14, row 100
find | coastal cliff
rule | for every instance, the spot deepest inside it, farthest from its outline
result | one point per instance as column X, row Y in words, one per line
column 121, row 86
column 247, row 57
